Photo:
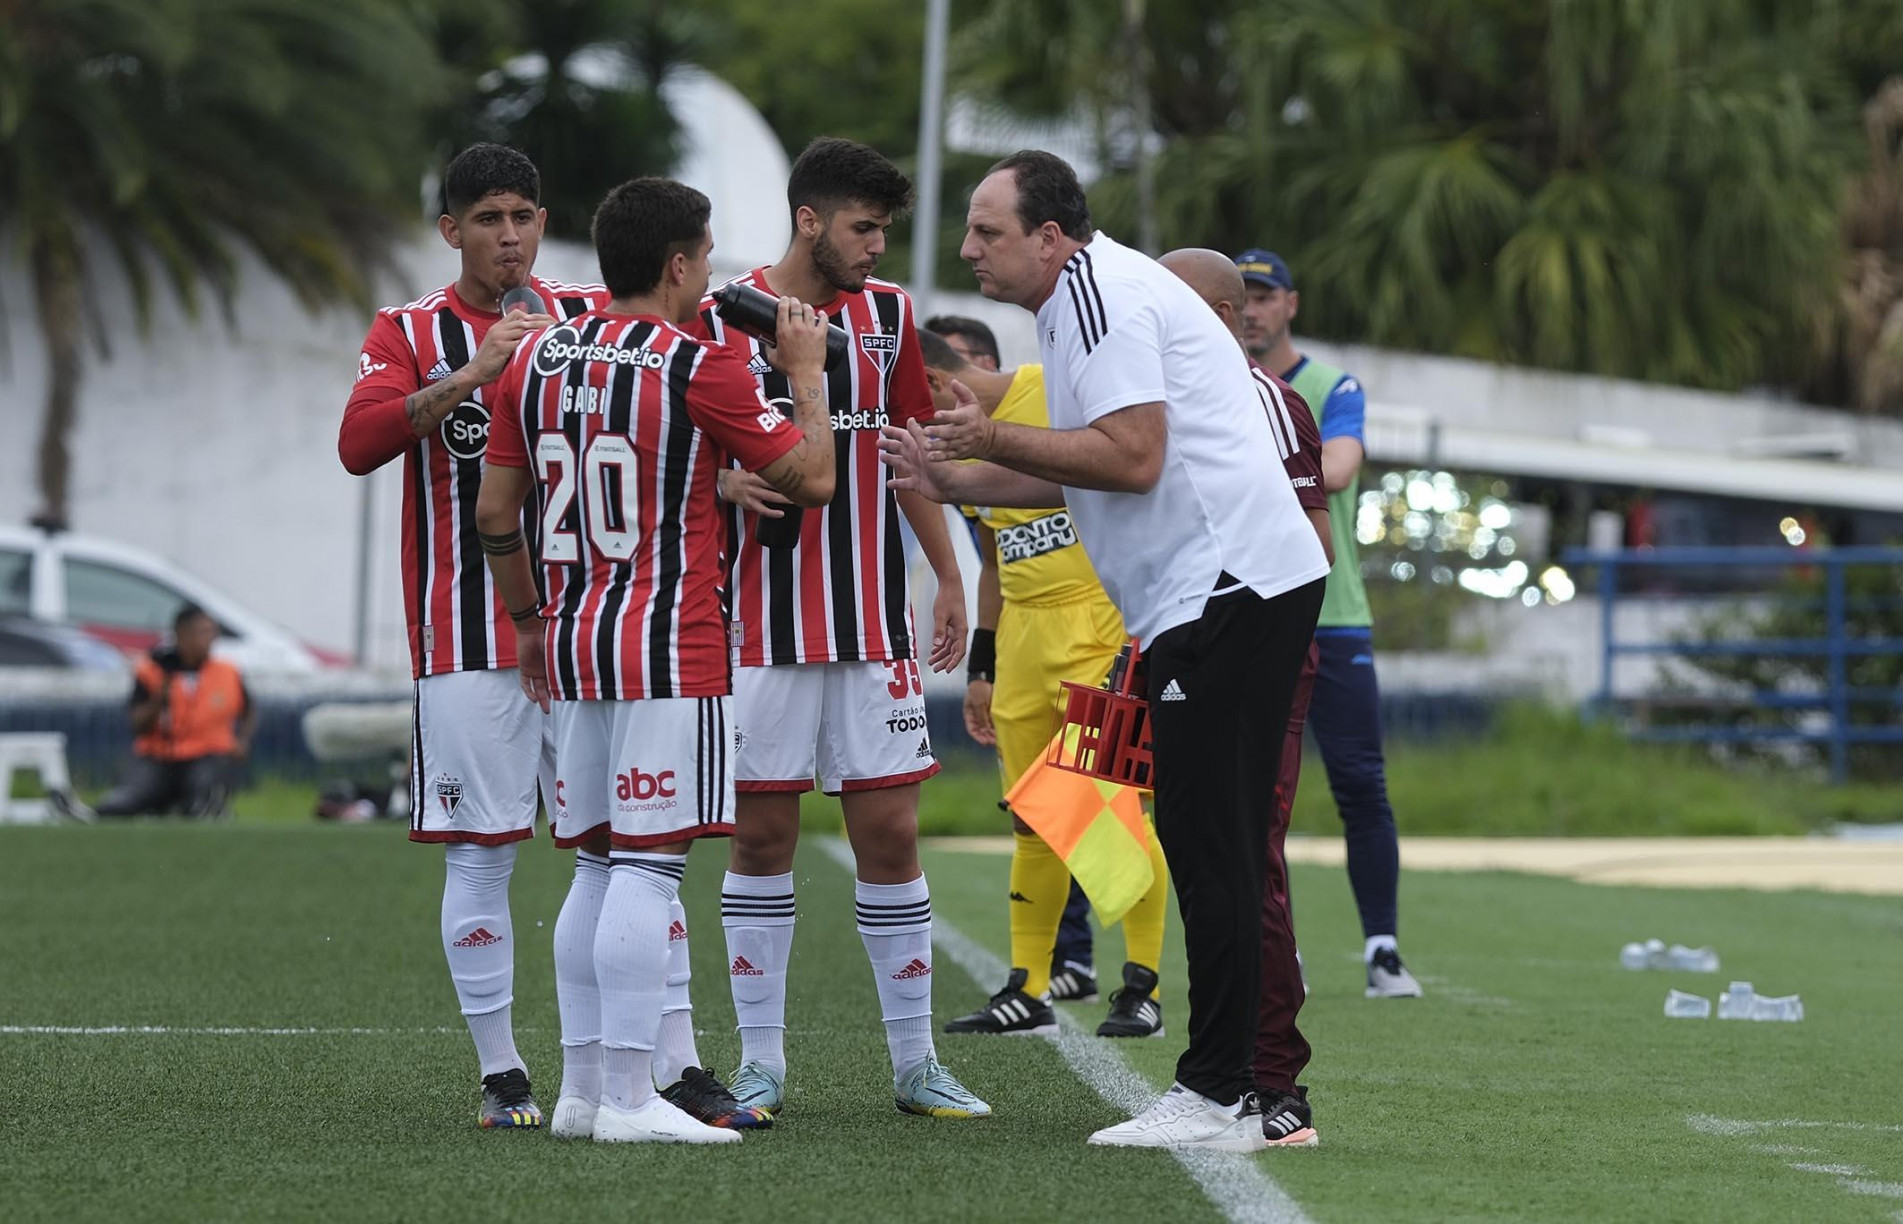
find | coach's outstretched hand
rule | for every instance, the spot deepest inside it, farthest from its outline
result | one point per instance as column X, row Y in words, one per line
column 902, row 449
column 499, row 345
column 961, row 432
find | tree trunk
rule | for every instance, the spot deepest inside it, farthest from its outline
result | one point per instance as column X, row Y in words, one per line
column 56, row 283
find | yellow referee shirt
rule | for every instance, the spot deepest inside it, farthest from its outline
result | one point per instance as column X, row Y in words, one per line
column 1040, row 560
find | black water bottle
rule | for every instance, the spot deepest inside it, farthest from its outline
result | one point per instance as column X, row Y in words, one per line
column 757, row 314
column 782, row 532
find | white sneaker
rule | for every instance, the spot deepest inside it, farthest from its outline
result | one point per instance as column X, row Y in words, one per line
column 1181, row 1118
column 655, row 1121
column 574, row 1118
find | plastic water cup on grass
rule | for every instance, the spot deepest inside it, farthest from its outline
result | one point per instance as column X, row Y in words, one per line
column 1736, row 1003
column 1692, row 960
column 1682, row 1006
column 1633, row 956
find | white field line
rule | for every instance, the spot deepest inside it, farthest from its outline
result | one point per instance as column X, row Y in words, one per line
column 1706, row 1124
column 1233, row 1182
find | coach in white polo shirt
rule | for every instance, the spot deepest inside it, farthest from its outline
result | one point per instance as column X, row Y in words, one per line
column 1159, row 447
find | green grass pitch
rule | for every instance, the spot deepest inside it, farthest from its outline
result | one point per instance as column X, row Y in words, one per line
column 1536, row 1081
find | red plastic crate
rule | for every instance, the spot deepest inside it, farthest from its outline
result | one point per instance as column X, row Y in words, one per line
column 1106, row 731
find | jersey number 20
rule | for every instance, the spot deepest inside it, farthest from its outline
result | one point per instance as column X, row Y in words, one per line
column 611, row 512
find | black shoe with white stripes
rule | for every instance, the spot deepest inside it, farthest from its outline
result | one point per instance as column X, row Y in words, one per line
column 1010, row 1011
column 1133, row 1013
column 1073, row 983
column 1287, row 1121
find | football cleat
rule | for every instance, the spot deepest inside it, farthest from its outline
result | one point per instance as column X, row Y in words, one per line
column 1287, row 1121
column 1010, row 1012
column 1133, row 1012
column 506, row 1103
column 931, row 1091
column 1181, row 1118
column 655, row 1121
column 700, row 1095
column 1388, row 978
column 574, row 1118
column 758, row 1086
column 1074, row 983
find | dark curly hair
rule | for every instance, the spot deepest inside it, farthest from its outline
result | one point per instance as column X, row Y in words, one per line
column 484, row 169
column 831, row 172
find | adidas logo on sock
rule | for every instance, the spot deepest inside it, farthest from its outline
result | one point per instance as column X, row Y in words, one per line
column 742, row 967
column 478, row 938
column 1173, row 692
column 676, row 932
column 917, row 969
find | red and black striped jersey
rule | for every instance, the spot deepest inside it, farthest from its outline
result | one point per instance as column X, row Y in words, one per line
column 1296, row 437
column 626, row 421
column 456, row 619
column 839, row 595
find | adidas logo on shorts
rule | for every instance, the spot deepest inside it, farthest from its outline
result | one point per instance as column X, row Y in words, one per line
column 924, row 749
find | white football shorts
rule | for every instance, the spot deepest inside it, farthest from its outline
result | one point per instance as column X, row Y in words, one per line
column 478, row 747
column 648, row 773
column 856, row 726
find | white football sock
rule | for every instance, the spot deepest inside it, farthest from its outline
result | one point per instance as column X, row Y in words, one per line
column 480, row 946
column 757, row 914
column 576, row 995
column 895, row 923
column 631, row 969
column 676, row 1050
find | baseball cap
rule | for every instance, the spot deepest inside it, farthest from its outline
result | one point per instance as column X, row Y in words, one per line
column 1265, row 268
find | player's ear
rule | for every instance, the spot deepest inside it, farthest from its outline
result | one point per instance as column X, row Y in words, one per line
column 808, row 222
column 541, row 222
column 1294, row 303
column 452, row 234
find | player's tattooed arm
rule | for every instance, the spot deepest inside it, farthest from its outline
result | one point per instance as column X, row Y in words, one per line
column 426, row 409
column 806, row 474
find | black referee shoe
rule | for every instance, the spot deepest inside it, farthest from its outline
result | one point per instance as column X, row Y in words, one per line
column 1010, row 1012
column 1133, row 1013
column 1073, row 983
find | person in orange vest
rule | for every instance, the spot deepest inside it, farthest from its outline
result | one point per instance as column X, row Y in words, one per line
column 192, row 721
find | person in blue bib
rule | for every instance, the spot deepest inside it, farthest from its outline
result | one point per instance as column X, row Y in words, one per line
column 1345, row 713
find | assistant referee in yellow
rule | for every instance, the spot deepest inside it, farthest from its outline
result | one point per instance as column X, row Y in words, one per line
column 1043, row 618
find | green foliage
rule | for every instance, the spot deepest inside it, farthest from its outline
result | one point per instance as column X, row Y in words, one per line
column 1641, row 190
column 171, row 132
column 575, row 84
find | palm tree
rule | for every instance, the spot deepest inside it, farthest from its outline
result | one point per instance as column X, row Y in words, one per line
column 1642, row 190
column 165, row 135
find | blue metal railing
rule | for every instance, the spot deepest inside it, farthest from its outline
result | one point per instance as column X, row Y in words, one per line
column 1837, row 646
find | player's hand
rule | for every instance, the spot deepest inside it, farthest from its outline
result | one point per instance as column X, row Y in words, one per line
column 978, row 713
column 799, row 350
column 531, row 665
column 902, row 449
column 499, row 345
column 750, row 491
column 948, row 627
column 961, row 432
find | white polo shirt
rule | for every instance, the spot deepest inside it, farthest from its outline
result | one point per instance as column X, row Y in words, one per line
column 1119, row 330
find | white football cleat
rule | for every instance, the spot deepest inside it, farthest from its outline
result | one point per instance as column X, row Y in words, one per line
column 1182, row 1118
column 655, row 1120
column 574, row 1118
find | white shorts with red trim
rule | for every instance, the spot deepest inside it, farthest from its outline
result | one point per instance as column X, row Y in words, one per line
column 647, row 773
column 477, row 747
column 856, row 726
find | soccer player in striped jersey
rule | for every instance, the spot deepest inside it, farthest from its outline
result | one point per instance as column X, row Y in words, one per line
column 1281, row 1052
column 424, row 381
column 615, row 424
column 827, row 679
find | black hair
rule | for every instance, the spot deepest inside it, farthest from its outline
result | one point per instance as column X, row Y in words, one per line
column 1048, row 190
column 640, row 226
column 484, row 169
column 186, row 614
column 939, row 355
column 831, row 172
column 972, row 331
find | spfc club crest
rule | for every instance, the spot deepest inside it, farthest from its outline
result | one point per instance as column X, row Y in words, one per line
column 882, row 348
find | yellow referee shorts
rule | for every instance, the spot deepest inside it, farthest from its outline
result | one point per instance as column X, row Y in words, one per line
column 1039, row 647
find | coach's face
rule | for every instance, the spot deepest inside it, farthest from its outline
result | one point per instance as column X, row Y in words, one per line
column 1009, row 263
column 498, row 236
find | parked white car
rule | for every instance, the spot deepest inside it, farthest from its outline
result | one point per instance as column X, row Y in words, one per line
column 127, row 597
